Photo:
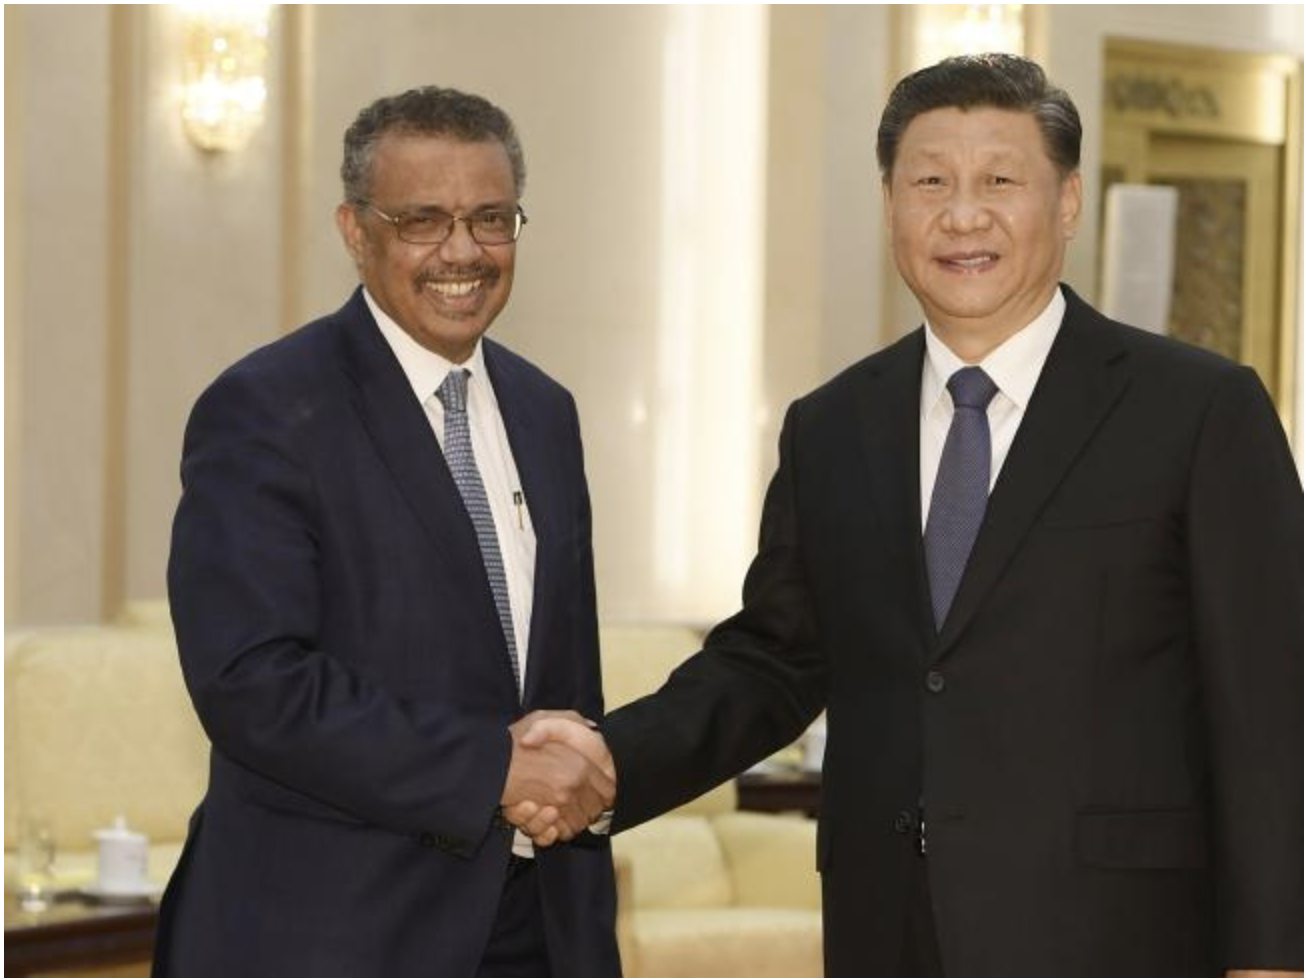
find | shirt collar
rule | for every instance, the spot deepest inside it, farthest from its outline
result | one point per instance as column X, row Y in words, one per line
column 1014, row 365
column 425, row 369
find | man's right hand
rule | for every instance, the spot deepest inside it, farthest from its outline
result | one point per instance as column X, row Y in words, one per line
column 560, row 779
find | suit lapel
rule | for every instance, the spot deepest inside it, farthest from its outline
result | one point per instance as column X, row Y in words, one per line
column 403, row 438
column 1079, row 385
column 888, row 412
column 538, row 473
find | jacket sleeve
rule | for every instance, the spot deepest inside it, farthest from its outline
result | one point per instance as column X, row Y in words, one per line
column 243, row 583
column 1245, row 559
column 758, row 682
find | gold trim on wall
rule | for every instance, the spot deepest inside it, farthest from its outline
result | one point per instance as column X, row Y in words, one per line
column 1186, row 113
column 1290, row 314
column 1198, row 91
column 123, row 124
column 294, row 24
column 15, row 319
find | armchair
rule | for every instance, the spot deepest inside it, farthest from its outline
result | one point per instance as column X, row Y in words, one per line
column 708, row 890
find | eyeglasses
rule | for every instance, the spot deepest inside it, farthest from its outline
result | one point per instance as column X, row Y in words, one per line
column 431, row 226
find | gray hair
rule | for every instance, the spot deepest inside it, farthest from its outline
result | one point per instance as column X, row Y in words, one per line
column 426, row 111
column 998, row 81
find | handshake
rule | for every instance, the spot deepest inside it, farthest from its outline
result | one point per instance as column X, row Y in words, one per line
column 561, row 778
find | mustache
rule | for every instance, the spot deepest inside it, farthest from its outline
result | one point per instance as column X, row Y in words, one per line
column 463, row 273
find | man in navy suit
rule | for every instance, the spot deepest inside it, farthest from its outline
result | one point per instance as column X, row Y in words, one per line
column 1044, row 571
column 381, row 563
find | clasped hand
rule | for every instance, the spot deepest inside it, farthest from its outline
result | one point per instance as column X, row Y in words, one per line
column 561, row 778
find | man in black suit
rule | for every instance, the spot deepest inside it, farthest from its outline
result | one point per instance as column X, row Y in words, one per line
column 1044, row 571
column 381, row 562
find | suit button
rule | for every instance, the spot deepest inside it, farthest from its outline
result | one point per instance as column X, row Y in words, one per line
column 904, row 822
column 427, row 839
column 934, row 682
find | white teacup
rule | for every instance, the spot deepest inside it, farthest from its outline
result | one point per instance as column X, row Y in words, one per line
column 124, row 859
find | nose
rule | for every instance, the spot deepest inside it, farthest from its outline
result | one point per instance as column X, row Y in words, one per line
column 460, row 246
column 965, row 212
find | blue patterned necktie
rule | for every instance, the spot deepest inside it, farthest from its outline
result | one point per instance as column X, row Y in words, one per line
column 961, row 490
column 462, row 464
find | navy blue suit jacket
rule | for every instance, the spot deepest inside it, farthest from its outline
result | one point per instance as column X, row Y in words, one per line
column 340, row 643
column 1106, row 733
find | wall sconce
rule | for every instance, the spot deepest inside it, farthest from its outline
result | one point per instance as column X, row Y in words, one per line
column 226, row 51
column 946, row 29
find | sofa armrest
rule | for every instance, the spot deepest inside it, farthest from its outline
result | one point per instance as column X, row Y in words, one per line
column 626, row 945
column 677, row 863
column 771, row 859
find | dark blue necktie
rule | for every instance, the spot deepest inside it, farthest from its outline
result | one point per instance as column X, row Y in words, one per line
column 961, row 490
column 462, row 464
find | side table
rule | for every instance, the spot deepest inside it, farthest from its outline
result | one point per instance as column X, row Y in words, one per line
column 75, row 937
column 780, row 791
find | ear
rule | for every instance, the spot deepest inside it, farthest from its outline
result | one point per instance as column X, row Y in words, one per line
column 351, row 231
column 1072, row 200
column 886, row 191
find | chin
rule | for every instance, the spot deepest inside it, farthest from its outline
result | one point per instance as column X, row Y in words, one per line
column 968, row 302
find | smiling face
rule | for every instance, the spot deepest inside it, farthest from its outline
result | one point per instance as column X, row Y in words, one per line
column 979, row 217
column 444, row 296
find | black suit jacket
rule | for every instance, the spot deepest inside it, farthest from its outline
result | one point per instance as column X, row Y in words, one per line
column 1106, row 733
column 342, row 648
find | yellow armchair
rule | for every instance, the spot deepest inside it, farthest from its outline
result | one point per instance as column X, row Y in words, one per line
column 98, row 724
column 708, row 890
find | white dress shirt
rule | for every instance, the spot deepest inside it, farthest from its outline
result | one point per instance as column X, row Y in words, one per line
column 426, row 371
column 1014, row 366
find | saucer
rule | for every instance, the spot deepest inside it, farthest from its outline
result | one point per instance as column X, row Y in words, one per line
column 123, row 895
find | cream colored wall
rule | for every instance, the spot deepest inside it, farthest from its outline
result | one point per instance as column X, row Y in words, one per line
column 215, row 255
column 55, row 320
column 204, row 274
column 1075, row 40
column 664, row 380
column 147, row 267
column 14, row 117
column 825, row 247
column 139, row 267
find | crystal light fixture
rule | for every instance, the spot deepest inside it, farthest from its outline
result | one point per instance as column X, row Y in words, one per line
column 224, row 91
column 946, row 29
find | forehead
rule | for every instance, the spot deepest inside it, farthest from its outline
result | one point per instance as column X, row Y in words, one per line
column 417, row 164
column 980, row 133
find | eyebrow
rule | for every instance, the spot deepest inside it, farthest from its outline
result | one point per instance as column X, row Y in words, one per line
column 478, row 209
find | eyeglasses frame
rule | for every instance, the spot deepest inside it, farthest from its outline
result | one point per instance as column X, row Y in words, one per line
column 394, row 220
